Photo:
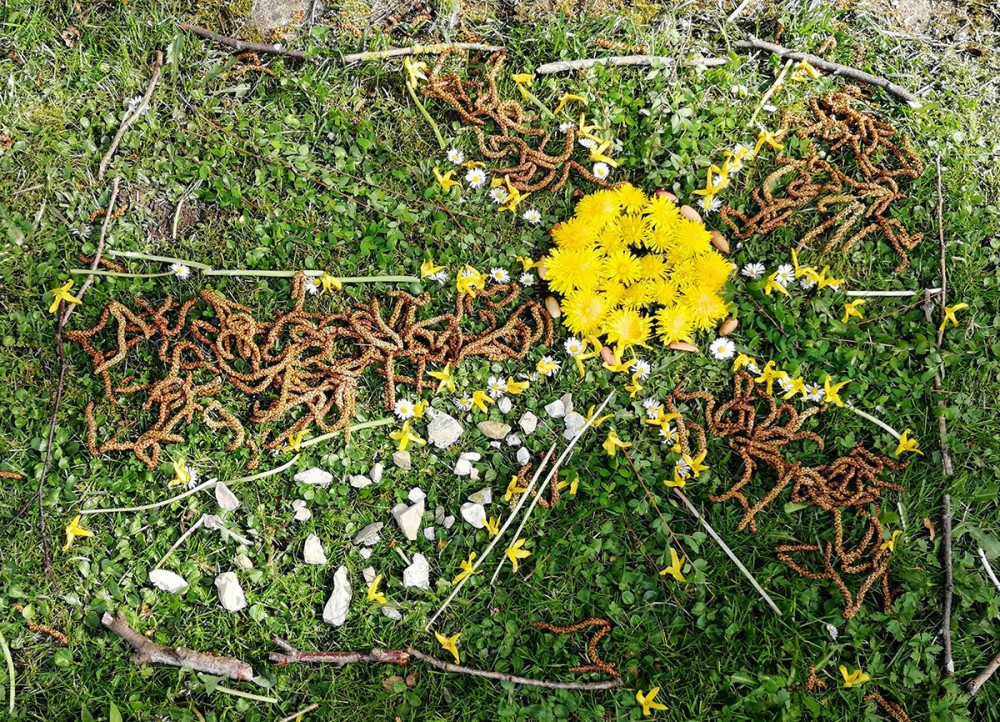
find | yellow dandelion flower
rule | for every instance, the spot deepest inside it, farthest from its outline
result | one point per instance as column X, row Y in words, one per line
column 674, row 324
column 599, row 208
column 712, row 270
column 666, row 291
column 623, row 267
column 662, row 239
column 705, row 307
column 661, row 212
column 573, row 268
column 691, row 238
column 626, row 328
column 630, row 199
column 584, row 312
column 653, row 267
column 614, row 292
column 633, row 229
column 610, row 240
column 574, row 233
column 637, row 296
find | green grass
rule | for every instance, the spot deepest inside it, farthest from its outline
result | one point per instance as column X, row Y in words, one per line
column 711, row 644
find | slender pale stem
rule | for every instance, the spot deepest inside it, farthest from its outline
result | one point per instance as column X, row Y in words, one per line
column 10, row 669
column 191, row 530
column 889, row 294
column 427, row 116
column 313, row 273
column 869, row 417
column 989, row 569
column 356, row 427
column 118, row 274
column 163, row 259
column 539, row 104
column 245, row 695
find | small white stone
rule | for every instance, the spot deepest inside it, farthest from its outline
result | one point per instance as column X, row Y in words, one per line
column 523, row 455
column 369, row 574
column 474, row 474
column 475, row 514
column 567, row 400
column 230, row 592
column 463, row 467
column 376, row 473
column 392, row 613
column 443, row 430
column 449, row 521
column 832, row 630
column 369, row 536
column 416, row 494
column 313, row 552
column 556, row 409
column 212, row 522
column 505, row 405
column 528, row 422
column 243, row 561
column 513, row 440
column 402, row 460
column 429, row 534
column 302, row 512
column 167, row 581
column 574, row 422
column 225, row 498
column 494, row 444
column 365, row 552
column 493, row 429
column 335, row 611
column 359, row 481
column 439, row 515
column 470, row 455
column 409, row 518
column 314, row 476
column 484, row 496
column 417, row 575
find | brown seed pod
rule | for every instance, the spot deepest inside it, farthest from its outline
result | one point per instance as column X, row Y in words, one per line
column 690, row 213
column 685, row 346
column 728, row 326
column 720, row 242
column 552, row 306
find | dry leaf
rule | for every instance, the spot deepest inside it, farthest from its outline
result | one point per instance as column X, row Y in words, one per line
column 930, row 527
column 70, row 36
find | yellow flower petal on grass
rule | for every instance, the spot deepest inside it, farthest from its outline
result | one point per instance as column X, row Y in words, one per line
column 647, row 701
column 449, row 644
column 62, row 294
column 515, row 552
column 74, row 530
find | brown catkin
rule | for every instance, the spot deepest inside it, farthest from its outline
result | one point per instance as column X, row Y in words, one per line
column 596, row 663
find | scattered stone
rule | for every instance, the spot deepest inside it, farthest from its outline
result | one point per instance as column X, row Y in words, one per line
column 225, row 498
column 505, row 405
column 484, row 496
column 167, row 581
column 475, row 514
column 365, row 552
column 474, row 474
column 685, row 346
column 359, row 481
column 409, row 518
column 523, row 455
column 302, row 512
column 443, row 430
column 230, row 592
column 314, row 476
column 574, row 422
column 463, row 467
column 552, row 306
column 376, row 473
column 313, row 552
column 556, row 409
column 720, row 243
column 528, row 422
column 280, row 18
column 243, row 561
column 439, row 515
column 416, row 494
column 567, row 400
column 402, row 460
column 513, row 440
column 494, row 444
column 392, row 613
column 429, row 534
column 213, row 522
column 369, row 574
column 335, row 611
column 493, row 429
column 369, row 536
column 449, row 521
column 691, row 214
column 417, row 575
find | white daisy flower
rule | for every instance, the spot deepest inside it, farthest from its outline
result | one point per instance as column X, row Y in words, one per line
column 652, row 407
column 711, row 204
column 527, row 279
column 498, row 195
column 573, row 346
column 476, row 177
column 814, row 392
column 133, row 105
column 786, row 384
column 785, row 275
column 551, row 363
column 192, row 477
column 807, row 283
column 440, row 277
column 456, row 156
column 464, row 403
column 313, row 286
column 753, row 270
column 532, row 216
column 566, row 125
column 601, row 171
column 499, row 275
column 682, row 468
column 532, row 377
column 404, row 409
column 587, row 143
column 642, row 368
column 180, row 270
column 496, row 387
column 722, row 349
column 753, row 368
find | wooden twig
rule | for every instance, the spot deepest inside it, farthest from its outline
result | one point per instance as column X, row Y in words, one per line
column 147, row 652
column 738, row 11
column 10, row 670
column 400, row 657
column 300, row 714
column 563, row 66
column 949, row 587
column 242, row 45
column 946, row 462
column 983, row 677
column 130, row 118
column 989, row 569
column 845, row 71
column 434, row 49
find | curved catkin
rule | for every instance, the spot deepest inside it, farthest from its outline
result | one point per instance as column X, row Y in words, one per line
column 758, row 429
column 855, row 204
column 596, row 663
column 300, row 369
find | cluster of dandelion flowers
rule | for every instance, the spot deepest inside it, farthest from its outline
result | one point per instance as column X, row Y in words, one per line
column 630, row 267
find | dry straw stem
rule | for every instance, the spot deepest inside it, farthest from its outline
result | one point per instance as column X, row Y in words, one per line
column 949, row 587
column 861, row 76
column 435, row 49
column 10, row 671
column 141, row 108
column 617, row 60
column 946, row 462
column 983, row 677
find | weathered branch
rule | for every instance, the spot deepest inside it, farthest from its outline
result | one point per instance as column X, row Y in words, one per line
column 563, row 66
column 242, row 45
column 983, row 677
column 132, row 117
column 147, row 652
column 949, row 468
column 845, row 71
column 949, row 588
column 400, row 657
column 418, row 50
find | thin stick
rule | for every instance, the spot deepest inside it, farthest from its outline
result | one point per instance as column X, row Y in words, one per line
column 779, row 81
column 563, row 66
column 354, row 428
column 164, row 259
column 435, row 49
column 245, row 695
column 427, row 116
column 984, row 676
column 459, row 669
column 989, row 569
column 861, row 76
column 119, row 274
column 132, row 117
column 191, row 530
column 493, row 542
column 865, row 415
column 890, row 294
column 949, row 588
column 147, row 652
column 946, row 462
column 738, row 11
column 649, row 495
column 10, row 670
column 555, row 469
column 928, row 294
column 301, row 713
column 242, row 45
column 290, row 274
